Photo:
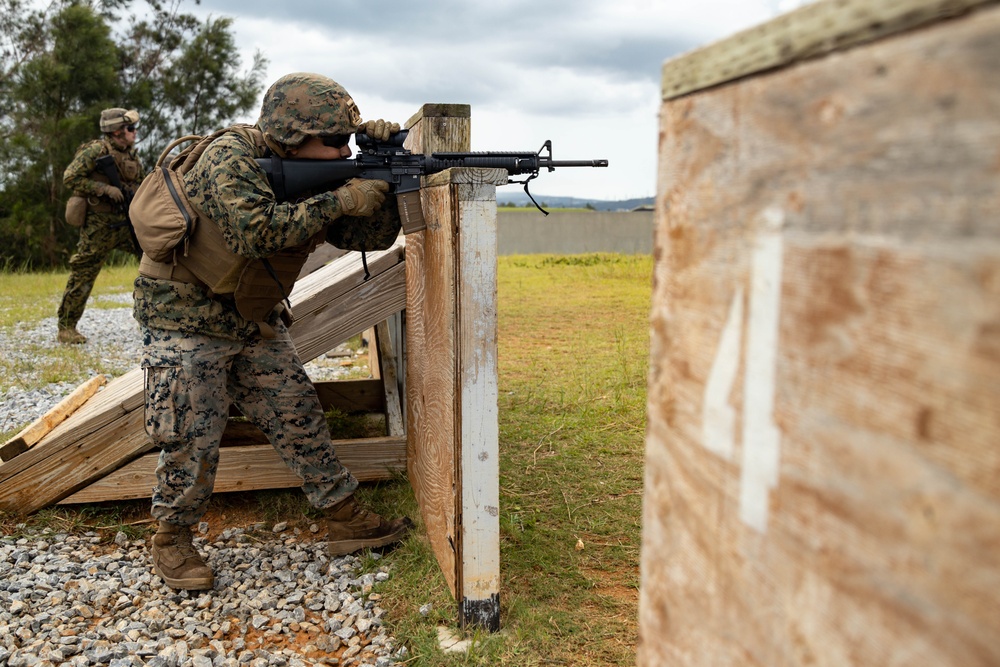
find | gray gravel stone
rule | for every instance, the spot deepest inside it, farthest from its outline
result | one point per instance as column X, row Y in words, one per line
column 137, row 620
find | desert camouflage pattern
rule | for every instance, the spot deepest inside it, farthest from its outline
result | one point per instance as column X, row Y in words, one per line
column 190, row 381
column 105, row 227
column 301, row 105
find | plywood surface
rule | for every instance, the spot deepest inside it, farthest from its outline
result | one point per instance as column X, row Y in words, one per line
column 814, row 30
column 823, row 475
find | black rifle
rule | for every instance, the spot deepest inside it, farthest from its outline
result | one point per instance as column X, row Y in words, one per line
column 109, row 168
column 389, row 161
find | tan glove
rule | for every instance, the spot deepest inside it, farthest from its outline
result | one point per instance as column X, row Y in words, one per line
column 361, row 196
column 379, row 130
column 113, row 193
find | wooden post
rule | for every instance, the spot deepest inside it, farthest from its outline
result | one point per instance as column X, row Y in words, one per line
column 451, row 365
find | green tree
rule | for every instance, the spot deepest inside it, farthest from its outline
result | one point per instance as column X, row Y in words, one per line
column 59, row 66
column 54, row 93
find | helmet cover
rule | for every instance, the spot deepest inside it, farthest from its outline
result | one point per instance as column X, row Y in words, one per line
column 302, row 105
column 113, row 120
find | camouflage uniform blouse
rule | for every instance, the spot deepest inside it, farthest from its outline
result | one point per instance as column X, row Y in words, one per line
column 79, row 175
column 229, row 187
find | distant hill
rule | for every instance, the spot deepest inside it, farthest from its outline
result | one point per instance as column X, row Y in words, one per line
column 521, row 199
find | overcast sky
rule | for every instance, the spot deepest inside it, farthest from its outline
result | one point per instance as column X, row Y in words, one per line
column 583, row 73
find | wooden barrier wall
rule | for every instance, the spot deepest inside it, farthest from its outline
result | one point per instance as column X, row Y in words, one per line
column 823, row 450
column 451, row 367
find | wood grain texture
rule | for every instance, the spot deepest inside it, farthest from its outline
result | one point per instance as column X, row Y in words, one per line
column 431, row 381
column 813, row 30
column 431, row 363
column 838, row 504
column 476, row 253
column 250, row 468
column 390, row 381
column 42, row 426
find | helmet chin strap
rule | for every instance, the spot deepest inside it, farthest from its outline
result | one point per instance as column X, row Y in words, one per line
column 275, row 147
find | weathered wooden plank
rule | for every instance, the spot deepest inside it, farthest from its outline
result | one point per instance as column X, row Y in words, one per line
column 78, row 464
column 250, row 468
column 374, row 364
column 430, row 377
column 340, row 278
column 322, row 329
column 390, row 380
column 824, row 398
column 320, row 257
column 476, row 338
column 813, row 30
column 35, row 431
column 92, row 422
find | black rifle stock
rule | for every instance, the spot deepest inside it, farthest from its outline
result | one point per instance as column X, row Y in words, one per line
column 389, row 161
column 106, row 164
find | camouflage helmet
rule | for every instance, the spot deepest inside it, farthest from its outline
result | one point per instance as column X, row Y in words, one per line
column 302, row 105
column 113, row 120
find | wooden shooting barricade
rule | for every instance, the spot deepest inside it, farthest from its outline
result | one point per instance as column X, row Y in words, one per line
column 445, row 279
column 823, row 449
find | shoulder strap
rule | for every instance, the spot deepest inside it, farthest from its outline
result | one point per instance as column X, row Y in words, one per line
column 174, row 144
column 187, row 158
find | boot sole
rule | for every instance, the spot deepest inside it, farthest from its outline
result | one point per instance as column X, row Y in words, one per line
column 192, row 584
column 346, row 547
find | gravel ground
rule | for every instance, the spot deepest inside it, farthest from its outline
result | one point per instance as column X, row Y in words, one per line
column 278, row 601
column 69, row 599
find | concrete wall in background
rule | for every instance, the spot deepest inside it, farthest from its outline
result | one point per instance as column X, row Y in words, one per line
column 574, row 232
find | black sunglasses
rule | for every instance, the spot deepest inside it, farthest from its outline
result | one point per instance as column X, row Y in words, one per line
column 130, row 128
column 336, row 140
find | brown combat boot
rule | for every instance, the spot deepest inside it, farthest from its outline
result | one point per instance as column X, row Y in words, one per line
column 350, row 528
column 71, row 337
column 176, row 560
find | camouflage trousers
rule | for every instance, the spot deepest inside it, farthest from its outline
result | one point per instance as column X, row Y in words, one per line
column 100, row 234
column 191, row 381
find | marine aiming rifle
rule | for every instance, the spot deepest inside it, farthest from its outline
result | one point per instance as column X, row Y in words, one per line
column 107, row 165
column 388, row 161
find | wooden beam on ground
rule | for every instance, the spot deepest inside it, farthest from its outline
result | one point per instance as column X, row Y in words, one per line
column 35, row 431
column 250, row 468
column 108, row 431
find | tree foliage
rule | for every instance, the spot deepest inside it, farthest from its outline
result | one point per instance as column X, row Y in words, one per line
column 62, row 64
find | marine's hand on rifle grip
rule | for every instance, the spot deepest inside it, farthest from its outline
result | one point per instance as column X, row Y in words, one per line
column 361, row 196
column 379, row 130
column 113, row 193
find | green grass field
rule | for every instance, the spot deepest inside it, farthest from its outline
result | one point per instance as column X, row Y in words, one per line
column 573, row 360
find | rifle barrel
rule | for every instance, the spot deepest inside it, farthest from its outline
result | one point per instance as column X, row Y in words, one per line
column 574, row 163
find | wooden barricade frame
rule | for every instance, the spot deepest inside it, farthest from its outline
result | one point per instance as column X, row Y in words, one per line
column 446, row 434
